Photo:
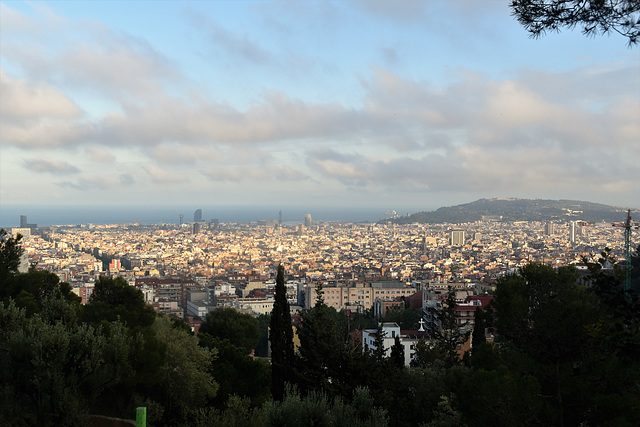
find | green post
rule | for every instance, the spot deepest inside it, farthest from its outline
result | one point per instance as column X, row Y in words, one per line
column 141, row 416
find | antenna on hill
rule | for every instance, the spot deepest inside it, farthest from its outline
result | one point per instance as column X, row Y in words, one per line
column 627, row 248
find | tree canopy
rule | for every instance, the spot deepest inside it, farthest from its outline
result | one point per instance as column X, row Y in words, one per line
column 594, row 17
column 228, row 323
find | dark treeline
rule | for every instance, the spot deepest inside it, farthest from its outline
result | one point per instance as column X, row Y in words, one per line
column 563, row 354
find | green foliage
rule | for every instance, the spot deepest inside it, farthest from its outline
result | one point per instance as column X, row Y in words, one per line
column 10, row 253
column 184, row 384
column 427, row 353
column 397, row 354
column 593, row 17
column 379, row 352
column 449, row 336
column 317, row 409
column 114, row 299
column 262, row 347
column 579, row 345
column 52, row 371
column 237, row 373
column 237, row 413
column 407, row 318
column 360, row 321
column 324, row 351
column 228, row 323
column 281, row 337
column 30, row 290
column 478, row 336
column 446, row 415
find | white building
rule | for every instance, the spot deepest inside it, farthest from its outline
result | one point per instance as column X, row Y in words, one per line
column 408, row 339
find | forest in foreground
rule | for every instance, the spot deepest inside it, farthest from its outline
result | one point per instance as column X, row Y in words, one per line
column 563, row 354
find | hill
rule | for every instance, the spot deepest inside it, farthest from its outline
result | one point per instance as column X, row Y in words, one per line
column 512, row 209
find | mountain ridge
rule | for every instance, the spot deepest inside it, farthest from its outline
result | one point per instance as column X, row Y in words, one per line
column 516, row 209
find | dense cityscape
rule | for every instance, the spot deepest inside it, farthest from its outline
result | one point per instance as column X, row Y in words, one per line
column 234, row 259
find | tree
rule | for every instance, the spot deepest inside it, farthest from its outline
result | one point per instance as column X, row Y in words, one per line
column 281, row 337
column 318, row 409
column 52, row 371
column 593, row 16
column 325, row 352
column 379, row 352
column 30, row 290
column 185, row 385
column 449, row 335
column 397, row 353
column 478, row 335
column 578, row 343
column 236, row 373
column 10, row 253
column 114, row 298
column 407, row 318
column 228, row 323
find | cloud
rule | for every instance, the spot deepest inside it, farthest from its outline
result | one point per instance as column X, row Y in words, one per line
column 400, row 10
column 250, row 173
column 86, row 54
column 530, row 130
column 35, row 114
column 21, row 100
column 163, row 175
column 176, row 153
column 100, row 155
column 50, row 166
column 104, row 182
column 230, row 43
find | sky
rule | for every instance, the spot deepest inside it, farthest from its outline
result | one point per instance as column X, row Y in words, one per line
column 405, row 105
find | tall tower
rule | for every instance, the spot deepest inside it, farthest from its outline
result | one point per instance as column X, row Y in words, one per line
column 23, row 221
column 197, row 215
column 280, row 218
column 572, row 232
column 181, row 219
column 457, row 237
column 549, row 228
column 307, row 221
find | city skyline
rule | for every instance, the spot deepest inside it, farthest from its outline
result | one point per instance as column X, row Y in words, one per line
column 404, row 105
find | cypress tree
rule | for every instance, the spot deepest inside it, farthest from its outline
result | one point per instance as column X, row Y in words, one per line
column 281, row 337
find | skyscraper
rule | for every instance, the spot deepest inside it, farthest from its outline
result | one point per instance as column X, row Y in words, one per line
column 572, row 232
column 307, row 221
column 25, row 224
column 197, row 215
column 457, row 237
column 548, row 228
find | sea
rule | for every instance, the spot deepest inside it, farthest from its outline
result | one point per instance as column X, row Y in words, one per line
column 148, row 215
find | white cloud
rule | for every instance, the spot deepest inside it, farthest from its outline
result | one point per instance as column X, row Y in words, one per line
column 164, row 175
column 101, row 182
column 223, row 173
column 21, row 100
column 50, row 166
column 100, row 155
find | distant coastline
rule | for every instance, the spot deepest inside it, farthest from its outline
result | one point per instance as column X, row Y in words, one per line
column 147, row 215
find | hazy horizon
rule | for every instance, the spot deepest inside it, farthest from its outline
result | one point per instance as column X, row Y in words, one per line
column 45, row 215
column 70, row 215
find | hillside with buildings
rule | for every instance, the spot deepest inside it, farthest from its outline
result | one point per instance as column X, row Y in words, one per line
column 514, row 209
